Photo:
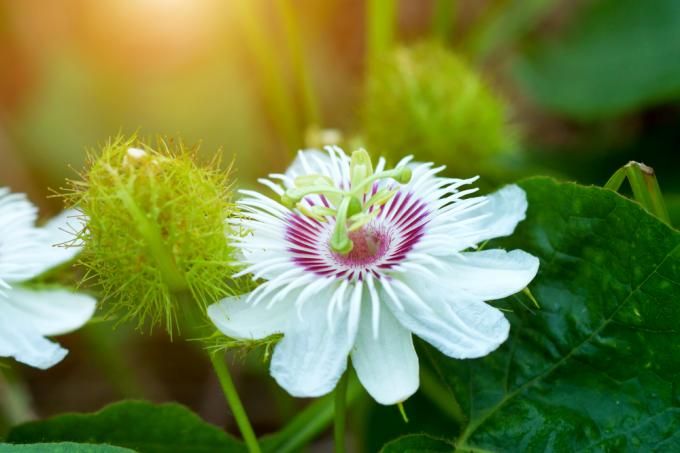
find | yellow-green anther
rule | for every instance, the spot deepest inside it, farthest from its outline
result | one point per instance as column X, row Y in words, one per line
column 309, row 213
column 381, row 197
column 288, row 201
column 313, row 180
column 360, row 167
column 291, row 196
column 340, row 241
column 316, row 212
column 402, row 175
column 360, row 220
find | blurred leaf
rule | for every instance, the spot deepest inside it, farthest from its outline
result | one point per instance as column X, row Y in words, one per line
column 141, row 426
column 617, row 56
column 417, row 443
column 62, row 447
column 597, row 367
column 502, row 24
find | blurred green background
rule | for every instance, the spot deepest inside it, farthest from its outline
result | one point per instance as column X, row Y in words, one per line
column 501, row 88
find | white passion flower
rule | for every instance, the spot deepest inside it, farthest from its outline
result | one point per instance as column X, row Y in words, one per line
column 354, row 261
column 28, row 315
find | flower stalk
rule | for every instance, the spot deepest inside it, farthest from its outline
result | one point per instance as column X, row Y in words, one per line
column 340, row 414
column 237, row 410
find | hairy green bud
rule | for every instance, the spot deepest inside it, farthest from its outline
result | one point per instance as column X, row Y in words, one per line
column 155, row 234
column 425, row 100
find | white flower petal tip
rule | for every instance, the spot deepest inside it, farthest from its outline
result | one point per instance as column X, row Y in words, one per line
column 356, row 258
column 387, row 366
column 59, row 232
column 20, row 340
column 492, row 274
column 507, row 207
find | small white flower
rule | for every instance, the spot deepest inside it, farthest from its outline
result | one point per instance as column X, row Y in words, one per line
column 391, row 267
column 28, row 315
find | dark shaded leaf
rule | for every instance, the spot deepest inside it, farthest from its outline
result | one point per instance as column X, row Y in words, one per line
column 417, row 443
column 141, row 426
column 597, row 368
column 62, row 447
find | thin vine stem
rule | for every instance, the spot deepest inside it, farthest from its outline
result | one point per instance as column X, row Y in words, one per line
column 340, row 414
column 234, row 402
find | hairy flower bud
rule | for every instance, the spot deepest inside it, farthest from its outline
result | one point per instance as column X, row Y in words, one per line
column 427, row 101
column 155, row 234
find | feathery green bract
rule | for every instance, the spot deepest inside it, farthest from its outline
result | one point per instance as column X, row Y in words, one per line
column 156, row 229
column 425, row 100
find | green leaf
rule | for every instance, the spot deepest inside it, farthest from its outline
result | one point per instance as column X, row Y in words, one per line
column 617, row 56
column 597, row 367
column 417, row 443
column 62, row 447
column 137, row 425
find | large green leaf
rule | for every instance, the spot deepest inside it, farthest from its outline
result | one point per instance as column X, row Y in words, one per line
column 617, row 56
column 140, row 426
column 417, row 443
column 62, row 447
column 597, row 367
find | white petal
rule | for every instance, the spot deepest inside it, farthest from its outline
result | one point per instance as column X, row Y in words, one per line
column 501, row 213
column 311, row 357
column 20, row 339
column 20, row 241
column 491, row 274
column 309, row 161
column 387, row 366
column 456, row 324
column 26, row 252
column 51, row 311
column 237, row 318
column 58, row 232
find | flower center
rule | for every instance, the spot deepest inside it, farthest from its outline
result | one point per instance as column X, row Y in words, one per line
column 354, row 206
column 370, row 244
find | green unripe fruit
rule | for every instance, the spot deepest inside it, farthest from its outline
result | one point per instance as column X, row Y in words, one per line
column 155, row 235
column 425, row 100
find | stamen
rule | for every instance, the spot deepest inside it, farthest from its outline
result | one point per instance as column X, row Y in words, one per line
column 353, row 210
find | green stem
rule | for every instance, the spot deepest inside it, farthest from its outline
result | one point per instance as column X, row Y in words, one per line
column 15, row 398
column 309, row 423
column 645, row 186
column 293, row 37
column 274, row 86
column 380, row 21
column 502, row 24
column 176, row 281
column 235, row 404
column 443, row 19
column 340, row 414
